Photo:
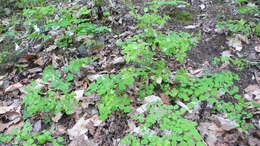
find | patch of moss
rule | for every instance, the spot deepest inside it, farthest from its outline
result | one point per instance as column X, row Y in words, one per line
column 183, row 15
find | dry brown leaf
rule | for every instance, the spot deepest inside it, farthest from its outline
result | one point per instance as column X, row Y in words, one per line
column 4, row 109
column 15, row 125
column 165, row 98
column 88, row 69
column 35, row 70
column 51, row 48
column 60, row 130
column 82, row 141
column 225, row 124
column 235, row 43
column 4, row 126
column 78, row 129
column 210, row 131
column 12, row 107
column 81, row 126
column 13, row 87
column 41, row 61
column 57, row 117
column 243, row 38
column 118, row 60
column 252, row 93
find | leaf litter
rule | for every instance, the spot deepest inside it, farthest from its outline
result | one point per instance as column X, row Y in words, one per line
column 87, row 128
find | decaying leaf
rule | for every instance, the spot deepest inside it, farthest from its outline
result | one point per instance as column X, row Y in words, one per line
column 13, row 87
column 82, row 141
column 225, row 124
column 210, row 131
column 81, row 127
column 235, row 43
column 252, row 92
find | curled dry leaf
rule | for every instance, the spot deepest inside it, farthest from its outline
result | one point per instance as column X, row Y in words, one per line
column 118, row 60
column 197, row 72
column 35, row 70
column 81, row 127
column 183, row 105
column 12, row 107
column 13, row 118
column 243, row 38
column 41, row 61
column 13, row 87
column 225, row 124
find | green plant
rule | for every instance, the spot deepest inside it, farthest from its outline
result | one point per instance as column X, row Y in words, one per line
column 247, row 9
column 175, row 43
column 207, row 88
column 72, row 22
column 236, row 111
column 241, row 26
column 75, row 64
column 58, row 97
column 236, row 61
column 24, row 136
column 149, row 71
column 74, row 17
column 3, row 55
column 112, row 90
column 204, row 88
column 174, row 129
column 64, row 41
column 30, row 3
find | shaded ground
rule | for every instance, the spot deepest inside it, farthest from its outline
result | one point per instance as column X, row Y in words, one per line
column 212, row 44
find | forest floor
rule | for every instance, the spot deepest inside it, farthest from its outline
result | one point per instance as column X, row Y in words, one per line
column 77, row 112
